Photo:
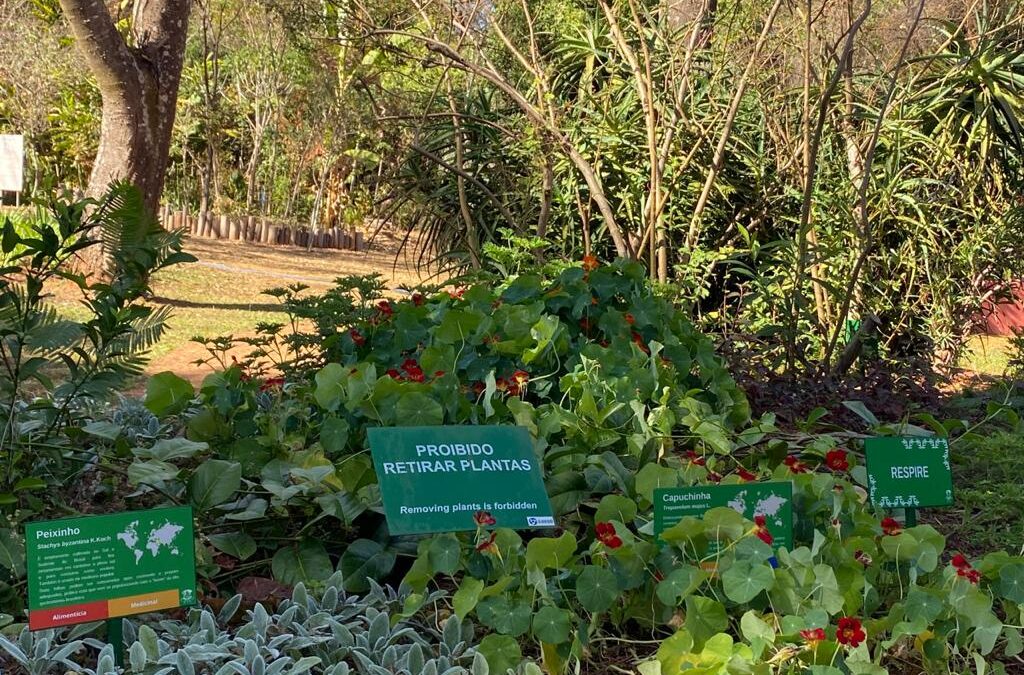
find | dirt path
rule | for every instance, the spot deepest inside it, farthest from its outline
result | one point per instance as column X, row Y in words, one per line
column 222, row 293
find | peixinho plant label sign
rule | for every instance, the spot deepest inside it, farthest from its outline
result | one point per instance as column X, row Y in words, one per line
column 908, row 472
column 103, row 567
column 433, row 479
column 773, row 500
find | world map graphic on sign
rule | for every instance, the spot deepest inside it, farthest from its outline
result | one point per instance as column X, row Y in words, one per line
column 769, row 506
column 158, row 538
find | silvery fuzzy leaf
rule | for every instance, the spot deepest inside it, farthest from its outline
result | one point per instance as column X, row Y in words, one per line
column 42, row 648
column 278, row 665
column 137, row 656
column 184, row 663
column 229, row 609
column 480, row 666
column 233, row 668
column 380, row 627
column 287, row 618
column 14, row 650
column 330, row 599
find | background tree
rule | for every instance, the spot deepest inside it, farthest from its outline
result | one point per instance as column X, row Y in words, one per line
column 138, row 80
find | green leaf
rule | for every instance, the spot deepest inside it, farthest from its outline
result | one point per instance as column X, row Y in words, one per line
column 680, row 583
column 444, row 553
column 552, row 625
column 307, row 563
column 743, row 581
column 596, row 589
column 12, row 552
column 505, row 615
column 464, row 600
column 30, row 483
column 615, row 507
column 862, row 412
column 215, row 482
column 545, row 552
column 334, row 434
column 171, row 448
column 924, row 603
column 704, row 618
column 168, row 394
column 653, row 476
column 416, row 409
column 567, row 490
column 757, row 632
column 152, row 472
column 101, row 429
column 364, row 559
column 723, row 523
column 1011, row 582
column 329, row 388
column 501, row 651
column 236, row 544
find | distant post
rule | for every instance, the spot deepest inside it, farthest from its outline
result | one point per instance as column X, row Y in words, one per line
column 12, row 165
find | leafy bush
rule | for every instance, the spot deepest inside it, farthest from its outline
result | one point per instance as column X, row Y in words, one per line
column 855, row 592
column 330, row 634
column 606, row 375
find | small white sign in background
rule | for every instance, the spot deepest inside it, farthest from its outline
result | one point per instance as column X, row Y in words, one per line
column 12, row 162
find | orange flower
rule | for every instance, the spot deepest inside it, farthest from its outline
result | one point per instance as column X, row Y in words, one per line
column 590, row 263
column 630, row 319
column 638, row 340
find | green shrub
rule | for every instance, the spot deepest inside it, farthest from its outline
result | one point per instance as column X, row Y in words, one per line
column 329, row 634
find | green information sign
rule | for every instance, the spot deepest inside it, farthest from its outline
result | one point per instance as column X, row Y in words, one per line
column 103, row 567
column 908, row 472
column 772, row 500
column 433, row 479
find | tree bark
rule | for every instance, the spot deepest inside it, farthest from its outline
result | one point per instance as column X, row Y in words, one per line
column 139, row 87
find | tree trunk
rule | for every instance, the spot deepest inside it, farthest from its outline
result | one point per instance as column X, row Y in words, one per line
column 139, row 87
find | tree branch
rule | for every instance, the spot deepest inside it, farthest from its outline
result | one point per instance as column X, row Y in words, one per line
column 103, row 48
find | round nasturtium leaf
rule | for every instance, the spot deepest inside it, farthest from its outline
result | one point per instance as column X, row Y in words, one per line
column 596, row 589
column 552, row 625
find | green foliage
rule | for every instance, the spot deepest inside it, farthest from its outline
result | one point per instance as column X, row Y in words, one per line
column 331, row 633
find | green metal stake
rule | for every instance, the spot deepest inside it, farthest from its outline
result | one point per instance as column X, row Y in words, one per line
column 115, row 636
column 910, row 516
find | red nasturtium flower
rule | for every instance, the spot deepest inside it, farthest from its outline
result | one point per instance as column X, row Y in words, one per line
column 272, row 383
column 745, row 475
column 585, row 325
column 964, row 568
column 695, row 458
column 395, row 375
column 837, row 460
column 501, row 384
column 862, row 557
column 457, row 293
column 761, row 529
column 357, row 337
column 813, row 636
column 384, row 307
column 606, row 535
column 714, row 477
column 479, row 387
column 412, row 370
column 795, row 465
column 486, row 545
column 483, row 518
column 418, row 299
column 630, row 319
column 850, row 632
column 891, row 526
column 638, row 340
column 590, row 263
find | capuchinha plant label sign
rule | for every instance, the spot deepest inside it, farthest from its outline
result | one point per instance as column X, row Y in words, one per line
column 103, row 567
column 773, row 500
column 433, row 479
column 908, row 472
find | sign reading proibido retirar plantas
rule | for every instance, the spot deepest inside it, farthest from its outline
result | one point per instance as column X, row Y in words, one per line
column 433, row 479
column 770, row 501
column 103, row 567
column 908, row 472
